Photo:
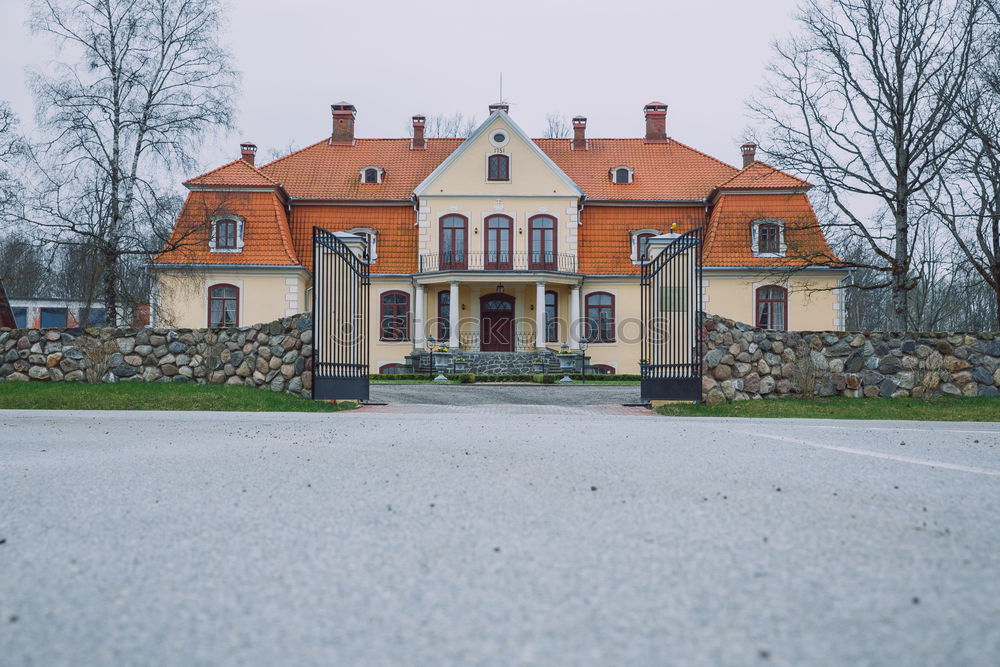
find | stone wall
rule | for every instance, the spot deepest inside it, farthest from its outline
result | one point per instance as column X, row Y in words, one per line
column 742, row 363
column 275, row 356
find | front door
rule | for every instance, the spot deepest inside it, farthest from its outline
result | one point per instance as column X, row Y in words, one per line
column 496, row 323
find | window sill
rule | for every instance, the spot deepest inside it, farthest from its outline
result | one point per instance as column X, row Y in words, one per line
column 226, row 251
column 769, row 255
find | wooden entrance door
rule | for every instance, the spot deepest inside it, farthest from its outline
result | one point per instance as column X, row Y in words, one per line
column 496, row 323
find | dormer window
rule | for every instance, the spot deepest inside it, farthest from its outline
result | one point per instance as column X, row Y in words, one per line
column 227, row 235
column 640, row 245
column 767, row 237
column 371, row 175
column 622, row 174
column 498, row 168
column 370, row 236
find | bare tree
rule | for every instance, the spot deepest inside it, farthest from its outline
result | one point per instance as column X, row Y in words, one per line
column 556, row 127
column 455, row 126
column 859, row 104
column 11, row 150
column 24, row 268
column 149, row 81
column 967, row 193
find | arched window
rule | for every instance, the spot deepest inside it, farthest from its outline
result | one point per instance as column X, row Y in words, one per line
column 772, row 307
column 768, row 237
column 603, row 369
column 600, row 322
column 453, row 239
column 371, row 238
column 444, row 315
column 225, row 234
column 642, row 246
column 395, row 316
column 499, row 242
column 621, row 174
column 542, row 242
column 498, row 168
column 223, row 306
column 551, row 317
column 372, row 175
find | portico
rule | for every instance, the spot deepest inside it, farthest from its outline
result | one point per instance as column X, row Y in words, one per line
column 496, row 312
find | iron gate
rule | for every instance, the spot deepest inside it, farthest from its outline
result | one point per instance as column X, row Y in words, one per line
column 340, row 319
column 671, row 288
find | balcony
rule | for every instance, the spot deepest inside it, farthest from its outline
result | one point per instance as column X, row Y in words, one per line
column 498, row 261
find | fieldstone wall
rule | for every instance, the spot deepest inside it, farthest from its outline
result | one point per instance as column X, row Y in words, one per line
column 276, row 356
column 743, row 363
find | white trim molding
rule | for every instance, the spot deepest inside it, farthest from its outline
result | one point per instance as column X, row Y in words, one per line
column 379, row 173
column 371, row 238
column 240, row 226
column 634, row 243
column 613, row 174
column 755, row 226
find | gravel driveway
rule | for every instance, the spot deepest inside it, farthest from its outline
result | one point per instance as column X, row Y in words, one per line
column 495, row 538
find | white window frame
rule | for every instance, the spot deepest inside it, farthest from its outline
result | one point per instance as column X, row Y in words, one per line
column 371, row 235
column 635, row 233
column 755, row 226
column 379, row 172
column 240, row 225
column 613, row 172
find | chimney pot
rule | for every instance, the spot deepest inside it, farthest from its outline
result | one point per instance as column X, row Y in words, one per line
column 579, row 133
column 656, row 123
column 344, row 114
column 749, row 151
column 248, row 151
column 500, row 106
column 418, row 142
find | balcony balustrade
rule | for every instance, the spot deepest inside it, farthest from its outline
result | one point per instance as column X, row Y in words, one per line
column 498, row 261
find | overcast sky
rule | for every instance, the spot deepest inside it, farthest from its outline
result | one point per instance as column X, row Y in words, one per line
column 395, row 58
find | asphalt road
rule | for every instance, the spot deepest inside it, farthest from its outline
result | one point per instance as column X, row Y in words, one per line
column 495, row 538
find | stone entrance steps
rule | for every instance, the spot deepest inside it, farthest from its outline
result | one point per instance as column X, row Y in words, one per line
column 494, row 363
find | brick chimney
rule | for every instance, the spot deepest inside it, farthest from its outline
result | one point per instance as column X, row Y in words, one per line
column 656, row 123
column 343, row 123
column 749, row 151
column 418, row 143
column 579, row 133
column 499, row 106
column 248, row 150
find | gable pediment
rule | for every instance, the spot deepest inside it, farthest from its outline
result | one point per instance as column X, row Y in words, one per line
column 530, row 172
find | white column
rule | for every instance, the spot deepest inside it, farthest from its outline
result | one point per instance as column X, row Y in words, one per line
column 419, row 304
column 574, row 317
column 539, row 314
column 453, row 316
column 475, row 293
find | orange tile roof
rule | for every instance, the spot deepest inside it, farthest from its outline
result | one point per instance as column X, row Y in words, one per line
column 605, row 233
column 729, row 236
column 236, row 173
column 761, row 176
column 322, row 171
column 396, row 240
column 670, row 171
column 266, row 236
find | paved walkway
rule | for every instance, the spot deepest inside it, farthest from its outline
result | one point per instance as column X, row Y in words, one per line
column 569, row 398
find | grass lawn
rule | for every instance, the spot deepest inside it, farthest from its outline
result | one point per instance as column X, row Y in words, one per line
column 935, row 409
column 153, row 396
